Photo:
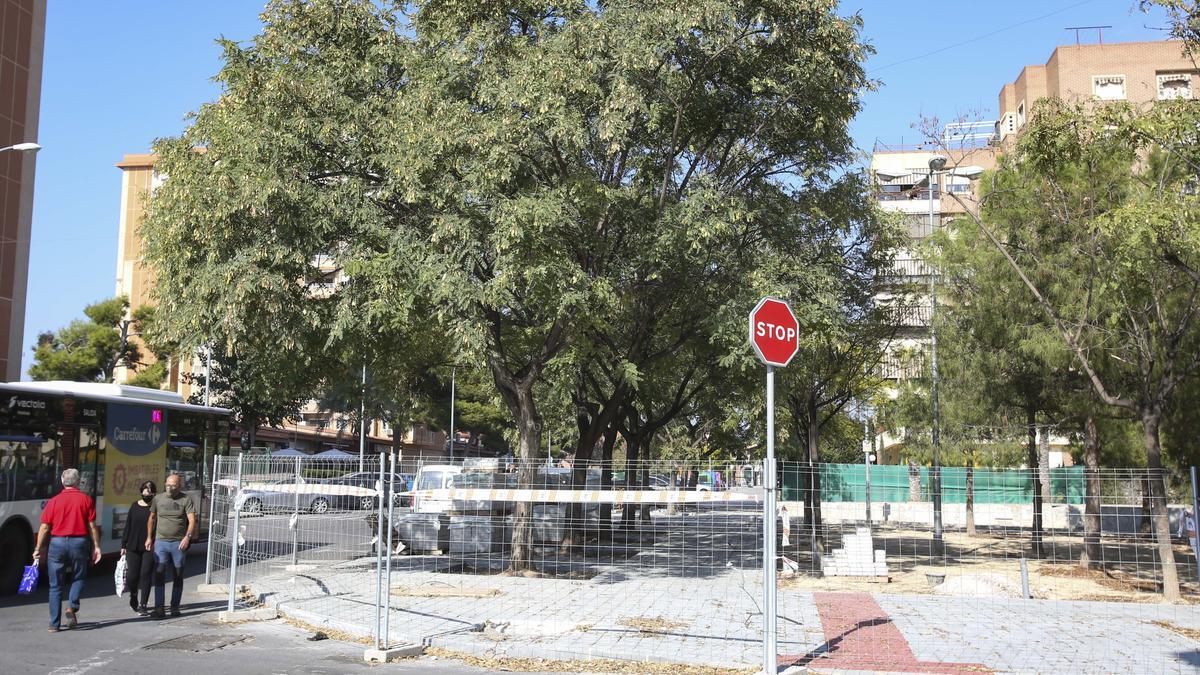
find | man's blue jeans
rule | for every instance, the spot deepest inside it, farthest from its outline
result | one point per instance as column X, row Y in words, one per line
column 64, row 551
column 167, row 551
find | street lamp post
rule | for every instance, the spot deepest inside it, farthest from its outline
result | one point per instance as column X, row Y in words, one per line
column 937, row 166
column 936, row 163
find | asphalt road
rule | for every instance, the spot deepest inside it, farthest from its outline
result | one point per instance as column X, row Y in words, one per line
column 112, row 639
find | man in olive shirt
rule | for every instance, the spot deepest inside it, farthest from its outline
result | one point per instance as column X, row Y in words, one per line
column 169, row 532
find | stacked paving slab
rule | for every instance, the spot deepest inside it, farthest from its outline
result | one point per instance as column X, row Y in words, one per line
column 856, row 558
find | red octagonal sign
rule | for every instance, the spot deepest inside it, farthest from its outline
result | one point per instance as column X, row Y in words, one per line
column 774, row 332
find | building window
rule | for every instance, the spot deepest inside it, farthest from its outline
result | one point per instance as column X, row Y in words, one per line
column 1021, row 114
column 1174, row 85
column 1109, row 87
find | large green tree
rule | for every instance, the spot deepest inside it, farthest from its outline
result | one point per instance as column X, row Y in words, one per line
column 517, row 168
column 1094, row 215
column 90, row 350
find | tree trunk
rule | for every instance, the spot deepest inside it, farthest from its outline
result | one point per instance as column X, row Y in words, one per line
column 1158, row 504
column 1035, row 475
column 604, row 527
column 1092, row 556
column 633, row 479
column 1144, row 487
column 971, row 492
column 529, row 427
column 814, row 465
column 645, row 510
column 1044, row 464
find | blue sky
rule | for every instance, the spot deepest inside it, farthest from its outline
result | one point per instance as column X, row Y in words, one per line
column 118, row 75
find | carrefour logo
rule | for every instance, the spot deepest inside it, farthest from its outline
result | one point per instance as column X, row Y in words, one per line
column 151, row 434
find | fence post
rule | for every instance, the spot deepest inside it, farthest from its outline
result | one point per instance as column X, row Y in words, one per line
column 212, row 511
column 1195, row 521
column 379, row 557
column 389, row 492
column 233, row 557
column 295, row 524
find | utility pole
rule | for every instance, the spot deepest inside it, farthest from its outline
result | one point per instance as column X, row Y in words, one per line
column 452, row 375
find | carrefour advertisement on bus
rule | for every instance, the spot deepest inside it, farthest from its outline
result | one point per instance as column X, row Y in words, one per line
column 137, row 451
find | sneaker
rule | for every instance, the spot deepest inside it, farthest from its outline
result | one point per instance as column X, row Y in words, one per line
column 158, row 613
column 71, row 620
column 143, row 610
column 175, row 612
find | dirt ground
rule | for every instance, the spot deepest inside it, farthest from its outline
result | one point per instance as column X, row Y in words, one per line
column 1129, row 574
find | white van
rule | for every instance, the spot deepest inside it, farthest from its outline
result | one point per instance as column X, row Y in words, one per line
column 434, row 477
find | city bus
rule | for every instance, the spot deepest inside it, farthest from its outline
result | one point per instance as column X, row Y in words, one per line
column 117, row 436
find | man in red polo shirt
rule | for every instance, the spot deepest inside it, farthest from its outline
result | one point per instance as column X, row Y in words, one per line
column 68, row 521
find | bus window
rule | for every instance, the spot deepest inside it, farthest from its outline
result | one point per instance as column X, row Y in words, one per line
column 185, row 449
column 91, row 461
column 30, row 467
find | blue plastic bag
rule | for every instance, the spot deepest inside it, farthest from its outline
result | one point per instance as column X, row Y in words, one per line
column 29, row 580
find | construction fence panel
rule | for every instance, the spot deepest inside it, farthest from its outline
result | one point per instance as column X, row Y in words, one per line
column 661, row 561
column 863, row 590
column 307, row 525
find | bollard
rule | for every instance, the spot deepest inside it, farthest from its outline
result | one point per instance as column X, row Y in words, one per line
column 1024, row 578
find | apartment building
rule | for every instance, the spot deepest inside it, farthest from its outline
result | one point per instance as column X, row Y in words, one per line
column 1138, row 72
column 317, row 428
column 22, row 39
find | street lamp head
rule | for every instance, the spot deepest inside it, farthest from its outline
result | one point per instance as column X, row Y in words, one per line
column 969, row 172
column 23, row 147
column 937, row 163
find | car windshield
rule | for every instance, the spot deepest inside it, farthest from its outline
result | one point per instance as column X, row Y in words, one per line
column 432, row 480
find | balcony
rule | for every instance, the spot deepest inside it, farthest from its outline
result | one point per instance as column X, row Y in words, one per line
column 921, row 194
column 896, row 366
column 912, row 316
column 909, row 269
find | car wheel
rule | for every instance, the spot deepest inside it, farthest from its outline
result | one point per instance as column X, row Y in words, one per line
column 365, row 503
column 18, row 550
column 319, row 505
column 253, row 506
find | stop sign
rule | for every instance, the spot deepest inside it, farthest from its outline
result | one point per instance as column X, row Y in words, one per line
column 774, row 331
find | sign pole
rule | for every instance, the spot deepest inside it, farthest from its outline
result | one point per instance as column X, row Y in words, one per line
column 775, row 336
column 770, row 663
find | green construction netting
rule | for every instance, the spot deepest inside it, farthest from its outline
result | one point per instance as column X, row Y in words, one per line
column 847, row 483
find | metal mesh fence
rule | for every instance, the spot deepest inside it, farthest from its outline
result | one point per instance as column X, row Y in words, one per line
column 662, row 561
column 867, row 581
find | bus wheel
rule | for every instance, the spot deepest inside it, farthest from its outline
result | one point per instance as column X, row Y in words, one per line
column 18, row 551
column 319, row 505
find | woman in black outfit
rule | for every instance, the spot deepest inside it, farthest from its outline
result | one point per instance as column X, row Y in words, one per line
column 139, row 563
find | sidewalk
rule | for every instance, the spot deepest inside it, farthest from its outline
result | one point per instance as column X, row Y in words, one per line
column 715, row 620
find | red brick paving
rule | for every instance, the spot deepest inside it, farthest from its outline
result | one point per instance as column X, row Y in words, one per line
column 859, row 635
